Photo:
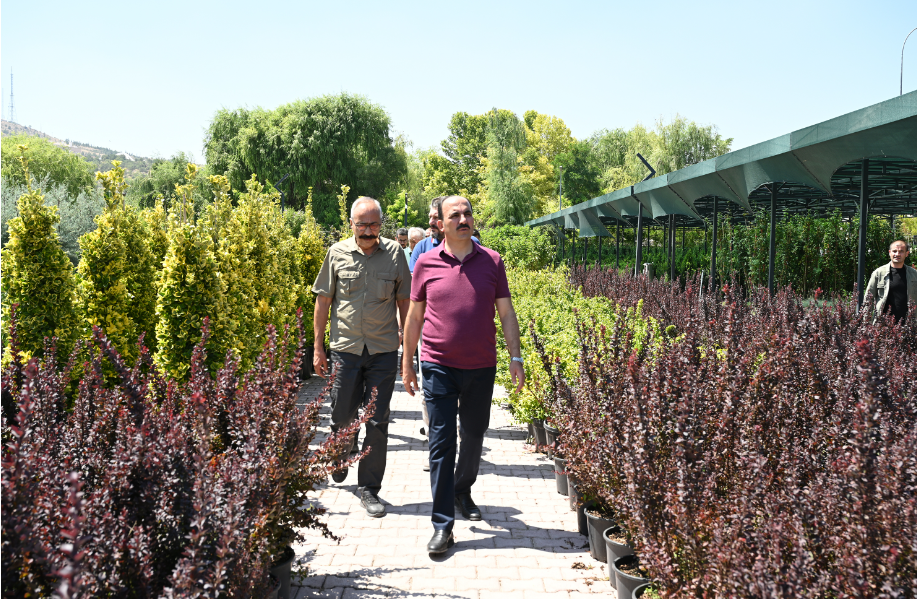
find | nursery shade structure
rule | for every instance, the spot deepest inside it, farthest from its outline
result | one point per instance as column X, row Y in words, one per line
column 861, row 162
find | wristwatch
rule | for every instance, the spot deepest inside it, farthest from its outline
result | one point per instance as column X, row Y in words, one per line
column 520, row 360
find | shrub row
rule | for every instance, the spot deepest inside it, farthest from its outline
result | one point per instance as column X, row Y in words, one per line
column 159, row 273
column 156, row 487
column 766, row 449
column 545, row 299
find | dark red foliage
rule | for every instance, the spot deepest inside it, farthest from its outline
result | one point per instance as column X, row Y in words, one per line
column 153, row 488
column 766, row 449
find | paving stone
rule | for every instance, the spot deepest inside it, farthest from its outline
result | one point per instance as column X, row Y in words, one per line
column 523, row 548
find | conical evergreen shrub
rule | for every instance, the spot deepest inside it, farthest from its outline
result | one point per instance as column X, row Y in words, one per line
column 38, row 276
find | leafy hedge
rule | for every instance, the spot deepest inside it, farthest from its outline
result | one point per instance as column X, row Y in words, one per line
column 161, row 272
column 766, row 449
column 520, row 246
column 156, row 487
column 549, row 307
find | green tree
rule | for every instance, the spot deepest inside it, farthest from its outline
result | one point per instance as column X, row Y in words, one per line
column 548, row 140
column 165, row 176
column 669, row 147
column 582, row 177
column 321, row 143
column 459, row 170
column 48, row 163
column 510, row 197
column 37, row 276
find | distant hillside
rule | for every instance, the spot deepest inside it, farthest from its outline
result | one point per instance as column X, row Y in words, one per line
column 100, row 158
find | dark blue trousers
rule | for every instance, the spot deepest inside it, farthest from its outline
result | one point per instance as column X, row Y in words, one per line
column 443, row 387
column 355, row 377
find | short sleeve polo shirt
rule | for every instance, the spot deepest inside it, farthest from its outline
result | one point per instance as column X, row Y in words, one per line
column 363, row 290
column 460, row 296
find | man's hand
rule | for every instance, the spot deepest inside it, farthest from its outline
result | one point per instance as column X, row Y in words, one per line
column 517, row 374
column 320, row 361
column 409, row 377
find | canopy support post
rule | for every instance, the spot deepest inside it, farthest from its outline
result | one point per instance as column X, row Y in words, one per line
column 598, row 262
column 864, row 223
column 672, row 239
column 639, row 244
column 585, row 250
column 772, row 241
column 617, row 245
column 716, row 206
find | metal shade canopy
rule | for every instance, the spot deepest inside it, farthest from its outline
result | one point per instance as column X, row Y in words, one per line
column 819, row 168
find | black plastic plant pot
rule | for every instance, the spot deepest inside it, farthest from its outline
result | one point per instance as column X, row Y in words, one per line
column 614, row 550
column 638, row 592
column 572, row 494
column 540, row 440
column 531, row 431
column 274, row 586
column 282, row 570
column 596, row 526
column 560, row 475
column 626, row 583
column 551, row 435
column 581, row 516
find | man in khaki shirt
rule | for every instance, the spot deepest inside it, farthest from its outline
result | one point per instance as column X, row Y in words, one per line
column 362, row 281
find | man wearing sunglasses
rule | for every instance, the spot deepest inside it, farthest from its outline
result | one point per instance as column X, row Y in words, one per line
column 362, row 282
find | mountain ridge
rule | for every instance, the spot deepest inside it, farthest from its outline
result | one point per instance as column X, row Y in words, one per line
column 99, row 157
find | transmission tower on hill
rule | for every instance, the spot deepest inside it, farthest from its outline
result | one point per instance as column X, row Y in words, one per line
column 12, row 115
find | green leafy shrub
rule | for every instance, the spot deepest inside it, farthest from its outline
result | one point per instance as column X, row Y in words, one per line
column 306, row 261
column 258, row 246
column 548, row 306
column 520, row 246
column 77, row 213
column 190, row 290
column 117, row 271
column 38, row 276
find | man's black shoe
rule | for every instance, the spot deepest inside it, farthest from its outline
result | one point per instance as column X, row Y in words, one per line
column 441, row 542
column 339, row 476
column 374, row 507
column 466, row 504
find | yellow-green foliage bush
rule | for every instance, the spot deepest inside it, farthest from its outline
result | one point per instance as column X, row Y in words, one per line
column 156, row 220
column 38, row 276
column 256, row 248
column 545, row 298
column 117, row 271
column 190, row 290
column 308, row 253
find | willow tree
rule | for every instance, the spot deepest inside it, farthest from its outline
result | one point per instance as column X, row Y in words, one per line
column 509, row 195
column 321, row 143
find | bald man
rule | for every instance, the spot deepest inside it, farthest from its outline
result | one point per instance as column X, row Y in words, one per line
column 362, row 282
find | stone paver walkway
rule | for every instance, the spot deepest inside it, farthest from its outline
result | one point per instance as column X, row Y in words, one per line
column 526, row 546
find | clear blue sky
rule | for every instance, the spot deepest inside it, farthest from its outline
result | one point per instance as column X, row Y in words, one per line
column 147, row 77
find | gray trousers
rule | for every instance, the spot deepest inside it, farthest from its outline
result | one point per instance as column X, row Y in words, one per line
column 355, row 377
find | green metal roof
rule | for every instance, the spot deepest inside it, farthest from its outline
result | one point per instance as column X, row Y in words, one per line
column 819, row 168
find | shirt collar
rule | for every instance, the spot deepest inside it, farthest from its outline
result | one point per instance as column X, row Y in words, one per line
column 351, row 244
column 475, row 249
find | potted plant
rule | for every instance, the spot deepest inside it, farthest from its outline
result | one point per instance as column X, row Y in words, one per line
column 628, row 575
column 616, row 545
column 599, row 518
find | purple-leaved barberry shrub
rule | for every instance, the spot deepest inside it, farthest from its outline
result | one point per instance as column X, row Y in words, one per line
column 761, row 448
column 152, row 487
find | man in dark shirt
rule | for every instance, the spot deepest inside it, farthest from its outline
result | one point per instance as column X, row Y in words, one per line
column 456, row 290
column 893, row 284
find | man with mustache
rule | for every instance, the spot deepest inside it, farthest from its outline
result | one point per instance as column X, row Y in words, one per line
column 454, row 293
column 362, row 281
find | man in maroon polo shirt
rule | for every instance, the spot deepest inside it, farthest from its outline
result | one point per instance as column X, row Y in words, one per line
column 455, row 290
